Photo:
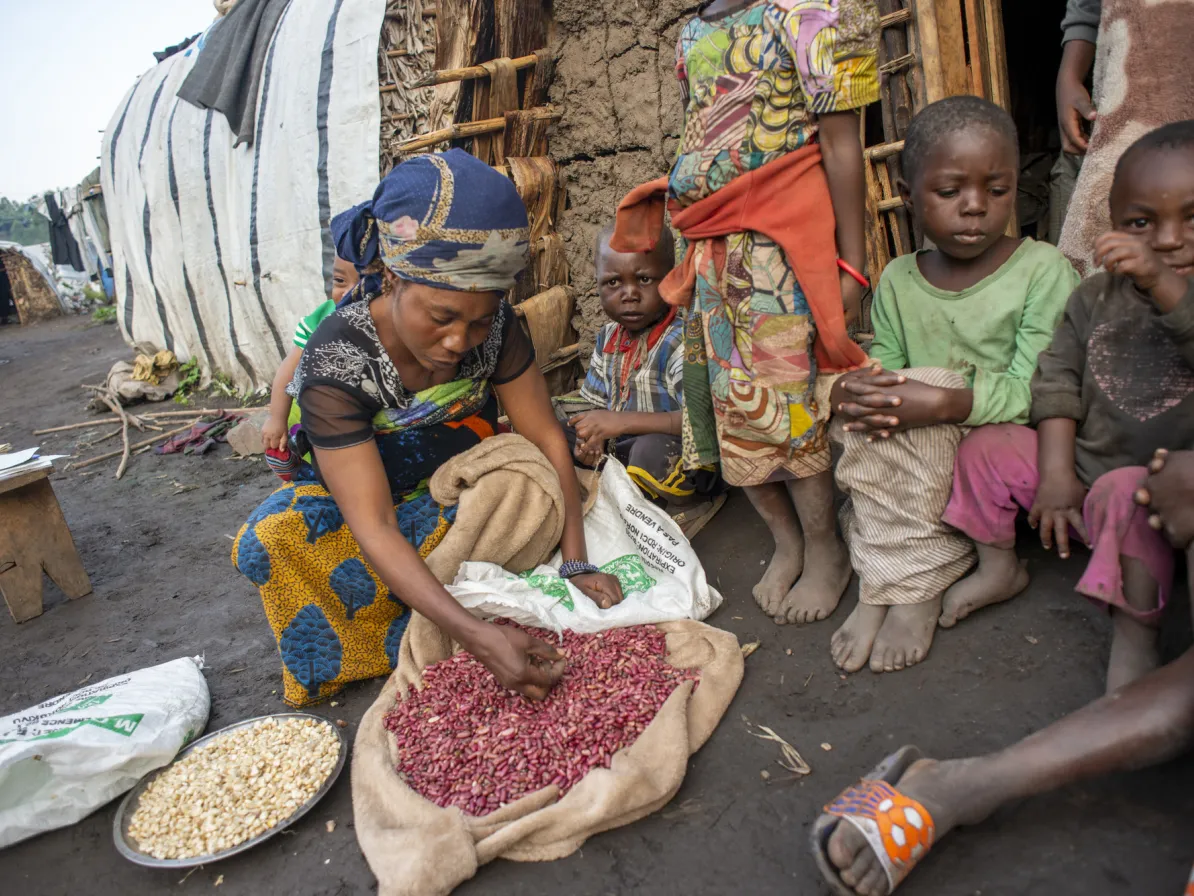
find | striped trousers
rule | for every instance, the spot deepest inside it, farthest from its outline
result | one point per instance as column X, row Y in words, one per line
column 898, row 489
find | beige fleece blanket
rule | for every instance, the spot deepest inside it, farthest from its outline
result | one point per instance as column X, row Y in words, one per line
column 1140, row 83
column 416, row 848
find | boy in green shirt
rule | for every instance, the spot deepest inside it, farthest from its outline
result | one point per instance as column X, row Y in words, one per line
column 957, row 332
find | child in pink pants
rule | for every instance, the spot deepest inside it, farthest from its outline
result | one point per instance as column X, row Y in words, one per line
column 1116, row 383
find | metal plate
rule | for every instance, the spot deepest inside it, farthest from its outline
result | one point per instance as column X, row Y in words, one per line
column 126, row 846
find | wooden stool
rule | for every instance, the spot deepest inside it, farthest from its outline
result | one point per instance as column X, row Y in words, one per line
column 34, row 537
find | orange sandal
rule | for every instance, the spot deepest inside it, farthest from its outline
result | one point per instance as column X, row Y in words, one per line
column 897, row 828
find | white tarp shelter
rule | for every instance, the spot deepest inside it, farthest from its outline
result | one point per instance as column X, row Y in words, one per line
column 218, row 251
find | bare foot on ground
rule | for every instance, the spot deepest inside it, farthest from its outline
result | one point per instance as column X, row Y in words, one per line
column 815, row 596
column 782, row 572
column 1134, row 650
column 906, row 635
column 1000, row 576
column 946, row 790
column 852, row 643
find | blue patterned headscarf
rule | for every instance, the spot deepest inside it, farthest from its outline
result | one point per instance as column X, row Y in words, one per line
column 446, row 220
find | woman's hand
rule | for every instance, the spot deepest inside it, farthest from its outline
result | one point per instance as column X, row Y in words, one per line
column 600, row 587
column 1057, row 507
column 274, row 433
column 517, row 660
column 1168, row 493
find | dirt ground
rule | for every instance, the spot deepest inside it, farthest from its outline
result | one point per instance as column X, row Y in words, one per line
column 158, row 556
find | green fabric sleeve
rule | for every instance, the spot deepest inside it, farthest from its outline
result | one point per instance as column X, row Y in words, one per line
column 890, row 347
column 308, row 324
column 1005, row 396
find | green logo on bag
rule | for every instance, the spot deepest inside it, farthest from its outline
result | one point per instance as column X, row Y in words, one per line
column 126, row 724
column 629, row 570
column 630, row 573
column 86, row 703
column 552, row 586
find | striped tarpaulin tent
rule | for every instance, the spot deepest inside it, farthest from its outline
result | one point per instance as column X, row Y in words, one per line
column 218, row 251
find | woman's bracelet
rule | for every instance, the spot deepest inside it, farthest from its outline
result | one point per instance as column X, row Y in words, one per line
column 848, row 268
column 571, row 568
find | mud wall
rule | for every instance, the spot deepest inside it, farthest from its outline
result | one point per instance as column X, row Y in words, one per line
column 615, row 82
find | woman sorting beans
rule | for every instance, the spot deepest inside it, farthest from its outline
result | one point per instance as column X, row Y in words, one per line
column 390, row 387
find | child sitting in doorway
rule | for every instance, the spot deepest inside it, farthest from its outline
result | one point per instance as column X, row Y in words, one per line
column 1116, row 383
column 958, row 329
column 634, row 385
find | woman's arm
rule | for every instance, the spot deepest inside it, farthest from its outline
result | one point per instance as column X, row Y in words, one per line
column 841, row 154
column 357, row 480
column 528, row 405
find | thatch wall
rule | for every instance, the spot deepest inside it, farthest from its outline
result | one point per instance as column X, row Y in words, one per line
column 34, row 297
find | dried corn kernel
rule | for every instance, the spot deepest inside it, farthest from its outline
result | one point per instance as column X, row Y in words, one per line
column 233, row 788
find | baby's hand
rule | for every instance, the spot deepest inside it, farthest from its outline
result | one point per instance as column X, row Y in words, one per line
column 274, row 434
column 1057, row 507
column 1128, row 254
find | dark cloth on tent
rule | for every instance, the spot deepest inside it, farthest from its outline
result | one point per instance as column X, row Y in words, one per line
column 163, row 55
column 227, row 73
column 63, row 248
column 7, row 307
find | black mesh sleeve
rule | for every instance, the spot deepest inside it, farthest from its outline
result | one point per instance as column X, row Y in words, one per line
column 333, row 417
column 516, row 354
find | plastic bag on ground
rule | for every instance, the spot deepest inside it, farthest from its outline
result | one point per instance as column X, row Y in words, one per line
column 64, row 758
column 662, row 577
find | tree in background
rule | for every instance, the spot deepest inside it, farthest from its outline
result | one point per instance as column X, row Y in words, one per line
column 19, row 223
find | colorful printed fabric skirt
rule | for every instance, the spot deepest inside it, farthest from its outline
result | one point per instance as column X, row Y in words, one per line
column 749, row 370
column 334, row 620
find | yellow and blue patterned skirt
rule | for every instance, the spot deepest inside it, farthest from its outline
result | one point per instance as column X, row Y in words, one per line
column 334, row 620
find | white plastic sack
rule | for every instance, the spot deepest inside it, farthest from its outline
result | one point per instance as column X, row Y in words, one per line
column 662, row 579
column 63, row 759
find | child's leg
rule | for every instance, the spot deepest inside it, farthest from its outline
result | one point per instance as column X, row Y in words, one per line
column 827, row 568
column 904, row 555
column 653, row 462
column 995, row 475
column 1130, row 570
column 774, row 505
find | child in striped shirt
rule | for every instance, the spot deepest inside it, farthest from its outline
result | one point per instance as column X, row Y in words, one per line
column 634, row 384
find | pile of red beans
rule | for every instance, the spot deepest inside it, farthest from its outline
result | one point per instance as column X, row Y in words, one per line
column 466, row 741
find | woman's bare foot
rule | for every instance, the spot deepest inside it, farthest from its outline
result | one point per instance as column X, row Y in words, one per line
column 906, row 635
column 1000, row 576
column 852, row 643
column 948, row 790
column 815, row 596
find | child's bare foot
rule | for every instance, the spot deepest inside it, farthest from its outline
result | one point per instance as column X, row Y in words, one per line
column 1000, row 576
column 1133, row 650
column 774, row 505
column 952, row 792
column 852, row 643
column 906, row 635
column 815, row 596
column 784, row 569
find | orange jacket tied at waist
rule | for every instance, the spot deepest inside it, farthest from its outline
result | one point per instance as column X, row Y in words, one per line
column 787, row 200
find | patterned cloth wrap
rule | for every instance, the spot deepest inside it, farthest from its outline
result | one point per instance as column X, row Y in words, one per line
column 752, row 81
column 335, row 621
